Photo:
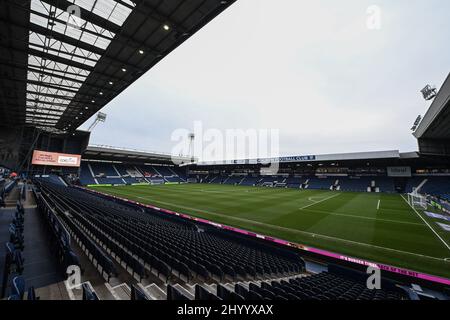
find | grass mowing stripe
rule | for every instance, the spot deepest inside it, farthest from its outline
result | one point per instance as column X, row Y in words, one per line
column 275, row 212
column 352, row 216
column 288, row 229
column 429, row 226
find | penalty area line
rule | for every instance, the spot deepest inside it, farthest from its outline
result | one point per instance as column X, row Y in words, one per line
column 429, row 226
column 276, row 227
column 317, row 202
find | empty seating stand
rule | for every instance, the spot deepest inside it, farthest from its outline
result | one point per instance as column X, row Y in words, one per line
column 86, row 177
column 148, row 240
column 385, row 184
column 322, row 286
column 118, row 174
column 437, row 186
column 321, row 183
column 18, row 289
column 354, row 184
column 250, row 181
column 233, row 180
column 294, row 182
column 88, row 293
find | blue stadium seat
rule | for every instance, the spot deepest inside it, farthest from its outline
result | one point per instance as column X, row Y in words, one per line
column 18, row 287
column 88, row 293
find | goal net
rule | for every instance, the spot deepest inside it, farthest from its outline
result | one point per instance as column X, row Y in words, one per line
column 416, row 200
column 267, row 184
column 280, row 185
column 156, row 182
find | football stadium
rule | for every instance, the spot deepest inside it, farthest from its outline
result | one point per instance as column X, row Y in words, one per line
column 85, row 221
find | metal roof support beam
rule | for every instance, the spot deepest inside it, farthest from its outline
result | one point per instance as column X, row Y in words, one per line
column 48, row 103
column 128, row 41
column 45, row 85
column 52, row 57
column 58, row 36
column 125, row 40
column 32, row 107
column 102, row 89
column 41, row 123
column 39, row 109
column 86, row 15
column 54, row 75
column 41, row 115
column 58, row 51
column 55, row 96
column 153, row 12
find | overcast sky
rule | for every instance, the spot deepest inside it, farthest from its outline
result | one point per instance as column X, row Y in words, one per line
column 312, row 69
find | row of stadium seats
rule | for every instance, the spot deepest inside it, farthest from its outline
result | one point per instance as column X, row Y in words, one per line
column 14, row 262
column 144, row 241
column 294, row 182
column 233, row 180
column 356, row 184
column 107, row 173
column 58, row 234
column 86, row 177
column 7, row 187
column 54, row 179
column 250, row 181
column 321, row 286
column 437, row 186
column 432, row 185
column 320, row 183
column 413, row 183
column 168, row 245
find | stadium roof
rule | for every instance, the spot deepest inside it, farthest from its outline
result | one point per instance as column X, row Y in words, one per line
column 356, row 156
column 436, row 122
column 61, row 63
column 108, row 153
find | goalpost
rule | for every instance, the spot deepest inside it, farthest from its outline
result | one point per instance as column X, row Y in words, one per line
column 416, row 200
column 267, row 184
column 157, row 182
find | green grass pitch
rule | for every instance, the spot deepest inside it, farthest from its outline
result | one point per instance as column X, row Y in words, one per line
column 378, row 227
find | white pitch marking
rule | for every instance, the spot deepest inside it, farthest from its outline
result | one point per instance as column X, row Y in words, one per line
column 362, row 217
column 312, row 200
column 292, row 230
column 317, row 202
column 431, row 228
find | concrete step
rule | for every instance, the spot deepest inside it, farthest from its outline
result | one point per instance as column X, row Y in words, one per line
column 156, row 292
column 184, row 291
column 119, row 292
